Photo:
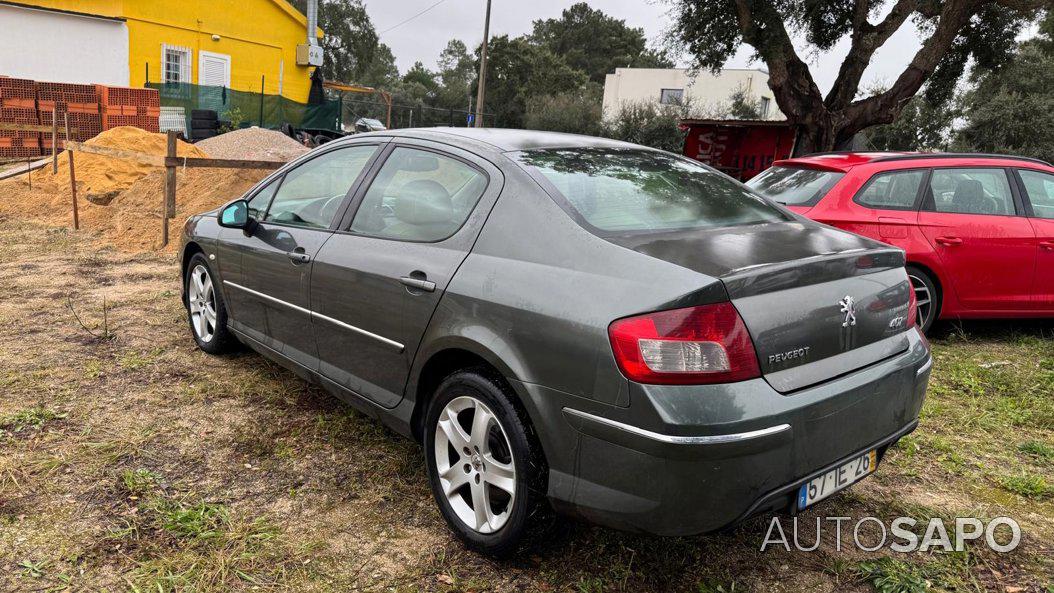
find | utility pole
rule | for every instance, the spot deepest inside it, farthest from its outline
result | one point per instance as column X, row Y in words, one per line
column 482, row 70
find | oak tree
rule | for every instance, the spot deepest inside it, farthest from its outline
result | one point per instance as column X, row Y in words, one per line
column 953, row 32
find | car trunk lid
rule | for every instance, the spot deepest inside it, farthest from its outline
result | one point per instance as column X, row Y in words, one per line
column 818, row 302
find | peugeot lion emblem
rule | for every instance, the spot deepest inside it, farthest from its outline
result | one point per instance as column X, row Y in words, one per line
column 849, row 308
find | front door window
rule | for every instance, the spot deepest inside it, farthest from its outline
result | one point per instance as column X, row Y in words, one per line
column 311, row 194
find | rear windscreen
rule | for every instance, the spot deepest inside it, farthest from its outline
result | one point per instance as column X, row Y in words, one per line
column 794, row 186
column 627, row 190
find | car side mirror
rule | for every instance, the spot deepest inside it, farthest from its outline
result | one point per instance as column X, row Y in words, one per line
column 236, row 216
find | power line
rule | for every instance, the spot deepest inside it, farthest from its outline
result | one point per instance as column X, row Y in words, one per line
column 412, row 18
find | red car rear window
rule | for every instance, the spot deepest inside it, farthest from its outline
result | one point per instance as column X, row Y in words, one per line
column 794, row 186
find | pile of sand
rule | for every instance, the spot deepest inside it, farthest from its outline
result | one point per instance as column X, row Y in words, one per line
column 254, row 144
column 104, row 176
column 129, row 218
column 132, row 221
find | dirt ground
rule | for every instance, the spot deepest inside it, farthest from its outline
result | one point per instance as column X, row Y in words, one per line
column 130, row 461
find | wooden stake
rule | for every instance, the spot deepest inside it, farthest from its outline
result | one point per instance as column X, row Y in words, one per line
column 73, row 179
column 55, row 139
column 168, row 200
column 29, row 172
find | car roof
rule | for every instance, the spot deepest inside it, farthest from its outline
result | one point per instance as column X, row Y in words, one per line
column 506, row 140
column 843, row 161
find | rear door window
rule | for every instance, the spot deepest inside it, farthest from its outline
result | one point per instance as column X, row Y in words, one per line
column 794, row 186
column 611, row 190
column 971, row 191
column 420, row 196
column 1040, row 189
column 893, row 190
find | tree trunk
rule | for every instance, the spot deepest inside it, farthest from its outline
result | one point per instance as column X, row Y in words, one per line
column 823, row 134
column 815, row 136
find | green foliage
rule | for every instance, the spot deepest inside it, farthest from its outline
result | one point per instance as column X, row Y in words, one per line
column 1027, row 485
column 657, row 126
column 577, row 111
column 921, row 126
column 1011, row 109
column 236, row 117
column 955, row 33
column 139, row 481
column 1037, row 449
column 594, row 43
column 457, row 73
column 888, row 575
column 353, row 53
column 744, row 106
column 518, row 70
column 201, row 520
column 31, row 418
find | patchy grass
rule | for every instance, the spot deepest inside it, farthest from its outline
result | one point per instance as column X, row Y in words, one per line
column 34, row 417
column 1031, row 486
column 137, row 463
column 1037, row 449
column 889, row 575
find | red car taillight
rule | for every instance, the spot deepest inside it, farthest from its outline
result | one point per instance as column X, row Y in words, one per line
column 707, row 344
column 913, row 307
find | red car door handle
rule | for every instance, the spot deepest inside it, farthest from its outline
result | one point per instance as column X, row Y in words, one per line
column 949, row 241
column 1048, row 245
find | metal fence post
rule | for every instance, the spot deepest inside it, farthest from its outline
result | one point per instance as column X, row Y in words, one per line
column 261, row 99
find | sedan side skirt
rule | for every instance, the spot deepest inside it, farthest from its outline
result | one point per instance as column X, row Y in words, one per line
column 392, row 343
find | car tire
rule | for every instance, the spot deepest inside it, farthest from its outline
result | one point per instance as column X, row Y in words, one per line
column 928, row 296
column 506, row 468
column 206, row 311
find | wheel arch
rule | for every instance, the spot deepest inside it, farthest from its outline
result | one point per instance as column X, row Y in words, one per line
column 189, row 250
column 445, row 358
column 938, row 281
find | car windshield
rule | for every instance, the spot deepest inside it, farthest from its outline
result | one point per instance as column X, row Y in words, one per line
column 796, row 186
column 620, row 190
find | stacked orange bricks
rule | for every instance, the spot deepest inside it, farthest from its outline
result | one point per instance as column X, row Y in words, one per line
column 90, row 108
column 126, row 106
column 18, row 105
column 78, row 102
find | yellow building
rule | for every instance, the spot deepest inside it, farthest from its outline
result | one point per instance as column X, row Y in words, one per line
column 230, row 43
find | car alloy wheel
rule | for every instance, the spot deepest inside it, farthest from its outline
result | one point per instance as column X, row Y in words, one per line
column 923, row 300
column 201, row 298
column 474, row 463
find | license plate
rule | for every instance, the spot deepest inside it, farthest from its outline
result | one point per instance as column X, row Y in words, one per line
column 836, row 479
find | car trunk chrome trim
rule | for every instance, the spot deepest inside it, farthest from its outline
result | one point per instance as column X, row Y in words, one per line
column 925, row 367
column 396, row 345
column 682, row 440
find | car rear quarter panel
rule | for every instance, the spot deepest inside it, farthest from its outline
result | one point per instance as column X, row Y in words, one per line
column 538, row 291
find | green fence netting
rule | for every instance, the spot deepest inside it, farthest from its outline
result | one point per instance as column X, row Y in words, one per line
column 248, row 108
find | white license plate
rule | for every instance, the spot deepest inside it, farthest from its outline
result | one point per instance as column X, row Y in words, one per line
column 836, row 479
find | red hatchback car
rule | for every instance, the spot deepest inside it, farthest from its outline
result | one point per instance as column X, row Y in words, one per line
column 978, row 229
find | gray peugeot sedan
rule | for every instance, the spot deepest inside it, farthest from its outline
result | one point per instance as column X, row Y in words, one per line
column 569, row 323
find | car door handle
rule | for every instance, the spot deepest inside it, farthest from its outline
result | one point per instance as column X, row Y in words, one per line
column 949, row 241
column 298, row 257
column 1048, row 245
column 418, row 283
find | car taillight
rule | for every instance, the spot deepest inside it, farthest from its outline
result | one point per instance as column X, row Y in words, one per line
column 913, row 307
column 695, row 345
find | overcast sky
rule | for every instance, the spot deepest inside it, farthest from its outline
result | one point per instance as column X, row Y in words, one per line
column 422, row 38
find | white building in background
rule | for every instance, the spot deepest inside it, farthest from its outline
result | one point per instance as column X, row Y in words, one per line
column 705, row 91
column 62, row 46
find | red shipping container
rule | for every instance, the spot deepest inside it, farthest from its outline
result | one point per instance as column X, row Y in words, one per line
column 740, row 148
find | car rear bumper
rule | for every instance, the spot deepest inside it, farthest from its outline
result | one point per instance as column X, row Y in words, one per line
column 688, row 460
